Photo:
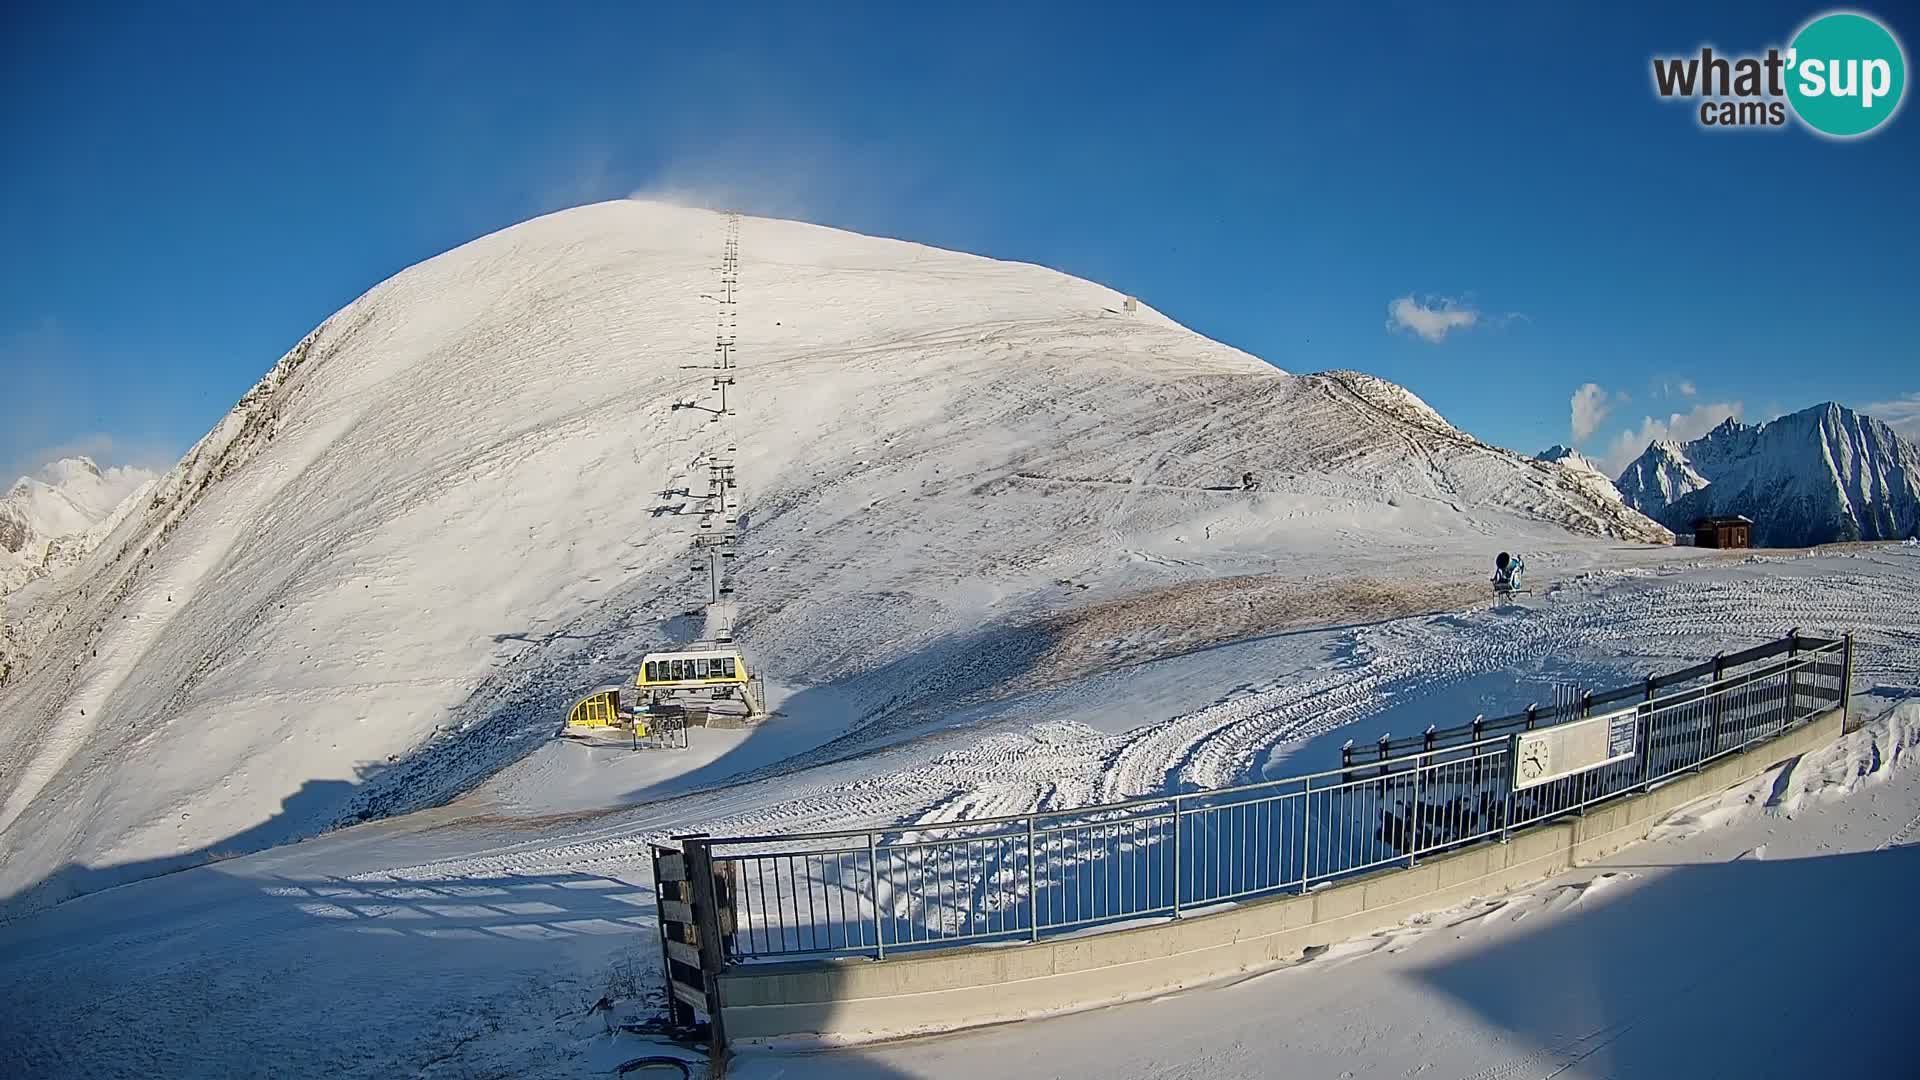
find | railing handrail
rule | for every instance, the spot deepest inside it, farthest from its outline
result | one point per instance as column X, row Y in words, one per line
column 1789, row 643
column 1729, row 681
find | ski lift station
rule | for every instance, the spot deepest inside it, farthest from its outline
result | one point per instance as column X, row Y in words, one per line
column 710, row 673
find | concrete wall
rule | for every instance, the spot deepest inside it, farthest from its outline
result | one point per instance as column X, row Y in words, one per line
column 963, row 987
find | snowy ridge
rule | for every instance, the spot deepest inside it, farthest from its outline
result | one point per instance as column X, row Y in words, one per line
column 1582, row 470
column 1571, row 458
column 1816, row 476
column 462, row 498
column 1660, row 476
column 1395, row 400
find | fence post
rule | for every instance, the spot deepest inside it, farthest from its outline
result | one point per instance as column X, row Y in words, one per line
column 1033, row 883
column 1306, row 833
column 1176, row 856
column 1513, row 765
column 1646, row 747
column 706, row 915
column 678, row 1012
column 1846, row 683
column 1717, row 714
column 873, row 884
column 1383, row 753
column 1586, row 778
column 1513, row 762
column 1793, row 676
column 1413, row 815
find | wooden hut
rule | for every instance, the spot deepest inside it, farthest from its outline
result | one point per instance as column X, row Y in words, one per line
column 1733, row 531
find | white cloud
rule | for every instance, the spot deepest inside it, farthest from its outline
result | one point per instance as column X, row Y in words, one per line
column 1430, row 319
column 1686, row 388
column 1902, row 414
column 103, row 449
column 1701, row 419
column 1590, row 407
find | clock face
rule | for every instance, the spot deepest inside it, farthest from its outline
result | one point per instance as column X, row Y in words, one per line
column 1533, row 760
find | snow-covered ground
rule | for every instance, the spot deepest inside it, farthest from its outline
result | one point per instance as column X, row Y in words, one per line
column 464, row 499
column 470, row 940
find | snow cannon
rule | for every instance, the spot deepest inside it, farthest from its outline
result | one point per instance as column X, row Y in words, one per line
column 1506, row 574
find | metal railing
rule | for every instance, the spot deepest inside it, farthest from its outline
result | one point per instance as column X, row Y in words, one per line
column 1537, row 716
column 879, row 891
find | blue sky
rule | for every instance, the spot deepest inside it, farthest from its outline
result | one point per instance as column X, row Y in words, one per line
column 186, row 195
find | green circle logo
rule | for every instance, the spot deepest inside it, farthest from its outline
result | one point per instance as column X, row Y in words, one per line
column 1845, row 74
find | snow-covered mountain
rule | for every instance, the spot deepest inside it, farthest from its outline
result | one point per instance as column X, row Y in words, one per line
column 1659, row 477
column 50, row 521
column 1569, row 457
column 1581, row 470
column 466, row 496
column 1816, row 476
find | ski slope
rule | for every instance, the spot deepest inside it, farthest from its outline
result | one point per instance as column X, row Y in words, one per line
column 462, row 499
column 464, row 941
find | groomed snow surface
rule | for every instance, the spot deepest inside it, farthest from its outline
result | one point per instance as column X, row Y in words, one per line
column 1755, row 938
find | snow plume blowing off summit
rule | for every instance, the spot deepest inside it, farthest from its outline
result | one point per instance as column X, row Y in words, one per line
column 461, row 499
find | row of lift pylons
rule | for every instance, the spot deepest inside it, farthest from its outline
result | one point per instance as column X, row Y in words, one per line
column 708, row 681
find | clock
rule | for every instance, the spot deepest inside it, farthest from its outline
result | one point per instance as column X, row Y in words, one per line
column 1533, row 760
